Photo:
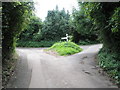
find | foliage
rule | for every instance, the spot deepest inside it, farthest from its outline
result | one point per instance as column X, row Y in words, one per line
column 109, row 62
column 87, row 42
column 33, row 30
column 15, row 17
column 115, row 21
column 35, row 43
column 84, row 27
column 65, row 48
column 56, row 25
column 107, row 21
column 8, row 69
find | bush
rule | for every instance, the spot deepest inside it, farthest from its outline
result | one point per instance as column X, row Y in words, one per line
column 87, row 42
column 35, row 43
column 65, row 48
column 8, row 69
column 110, row 63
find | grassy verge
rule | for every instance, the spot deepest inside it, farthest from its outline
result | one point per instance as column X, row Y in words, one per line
column 8, row 69
column 35, row 43
column 110, row 62
column 65, row 48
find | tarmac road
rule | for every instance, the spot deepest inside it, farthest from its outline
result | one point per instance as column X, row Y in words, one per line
column 37, row 69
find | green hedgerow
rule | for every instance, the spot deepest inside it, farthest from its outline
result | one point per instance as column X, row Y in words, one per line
column 35, row 43
column 110, row 63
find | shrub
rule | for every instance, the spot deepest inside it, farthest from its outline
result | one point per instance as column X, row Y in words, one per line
column 35, row 43
column 87, row 42
column 110, row 63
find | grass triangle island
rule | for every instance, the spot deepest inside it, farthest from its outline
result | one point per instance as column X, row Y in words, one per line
column 65, row 48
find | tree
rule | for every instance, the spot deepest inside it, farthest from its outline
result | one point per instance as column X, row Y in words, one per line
column 84, row 27
column 56, row 25
column 107, row 21
column 106, row 16
column 33, row 30
column 15, row 16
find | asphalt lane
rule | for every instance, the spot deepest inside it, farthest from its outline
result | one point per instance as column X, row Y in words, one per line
column 37, row 69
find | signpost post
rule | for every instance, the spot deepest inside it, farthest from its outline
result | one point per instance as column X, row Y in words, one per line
column 67, row 37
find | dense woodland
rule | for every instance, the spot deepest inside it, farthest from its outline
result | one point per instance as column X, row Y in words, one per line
column 92, row 23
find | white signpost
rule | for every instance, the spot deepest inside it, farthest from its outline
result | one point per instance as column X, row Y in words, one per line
column 67, row 37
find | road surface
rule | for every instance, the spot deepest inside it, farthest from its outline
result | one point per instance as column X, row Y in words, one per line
column 37, row 69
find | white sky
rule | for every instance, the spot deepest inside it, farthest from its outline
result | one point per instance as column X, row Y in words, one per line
column 42, row 6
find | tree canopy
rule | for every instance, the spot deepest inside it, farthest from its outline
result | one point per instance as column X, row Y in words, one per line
column 33, row 30
column 106, row 17
column 56, row 25
column 84, row 29
column 15, row 16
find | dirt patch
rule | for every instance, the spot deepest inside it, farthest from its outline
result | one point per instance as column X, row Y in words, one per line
column 51, row 52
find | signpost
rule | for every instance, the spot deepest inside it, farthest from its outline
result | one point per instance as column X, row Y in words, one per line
column 67, row 37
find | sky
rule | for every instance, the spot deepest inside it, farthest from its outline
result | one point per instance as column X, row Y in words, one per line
column 42, row 6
